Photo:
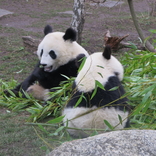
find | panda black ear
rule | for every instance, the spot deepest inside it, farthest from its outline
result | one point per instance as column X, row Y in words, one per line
column 70, row 34
column 47, row 29
column 107, row 52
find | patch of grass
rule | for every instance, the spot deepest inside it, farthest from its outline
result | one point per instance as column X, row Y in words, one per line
column 139, row 81
column 17, row 138
column 145, row 19
column 13, row 41
column 17, row 64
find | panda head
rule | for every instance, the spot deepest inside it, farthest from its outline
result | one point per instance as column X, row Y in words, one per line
column 58, row 48
column 99, row 66
column 114, row 66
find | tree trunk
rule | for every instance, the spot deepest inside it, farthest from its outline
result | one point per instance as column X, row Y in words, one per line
column 153, row 12
column 78, row 18
column 148, row 46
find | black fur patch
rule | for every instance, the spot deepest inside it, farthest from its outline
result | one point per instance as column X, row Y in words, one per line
column 70, row 34
column 52, row 54
column 47, row 29
column 41, row 53
column 107, row 52
column 102, row 98
column 49, row 79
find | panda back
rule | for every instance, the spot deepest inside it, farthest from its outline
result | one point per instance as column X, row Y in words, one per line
column 99, row 69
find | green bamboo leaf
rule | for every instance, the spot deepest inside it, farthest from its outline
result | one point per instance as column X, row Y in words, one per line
column 56, row 120
column 79, row 101
column 38, row 105
column 44, row 148
column 108, row 124
column 94, row 133
column 148, row 102
column 97, row 84
column 11, row 93
column 94, row 92
column 120, row 119
column 152, row 31
column 100, row 85
column 142, row 105
column 132, row 46
column 26, row 94
column 137, row 110
column 150, row 88
column 65, row 76
column 100, row 74
column 114, row 88
column 100, row 66
column 59, row 129
column 147, row 95
column 42, row 128
column 82, row 64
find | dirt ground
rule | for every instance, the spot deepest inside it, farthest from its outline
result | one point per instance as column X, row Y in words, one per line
column 32, row 16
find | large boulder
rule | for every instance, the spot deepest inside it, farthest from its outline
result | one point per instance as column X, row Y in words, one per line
column 115, row 143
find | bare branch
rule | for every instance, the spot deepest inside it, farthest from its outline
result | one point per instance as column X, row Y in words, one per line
column 148, row 46
column 114, row 42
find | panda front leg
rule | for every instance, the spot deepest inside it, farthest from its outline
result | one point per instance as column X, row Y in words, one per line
column 23, row 86
column 38, row 92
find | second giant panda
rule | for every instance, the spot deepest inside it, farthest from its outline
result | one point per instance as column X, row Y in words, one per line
column 107, row 103
column 59, row 54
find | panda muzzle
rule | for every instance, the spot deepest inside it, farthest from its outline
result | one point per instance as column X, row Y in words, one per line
column 47, row 69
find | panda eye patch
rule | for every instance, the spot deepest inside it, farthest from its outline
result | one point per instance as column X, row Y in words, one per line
column 52, row 54
column 41, row 53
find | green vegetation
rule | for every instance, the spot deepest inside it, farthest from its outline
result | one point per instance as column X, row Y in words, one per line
column 43, row 122
column 140, row 83
column 20, row 138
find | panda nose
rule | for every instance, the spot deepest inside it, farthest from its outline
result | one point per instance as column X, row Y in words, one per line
column 43, row 65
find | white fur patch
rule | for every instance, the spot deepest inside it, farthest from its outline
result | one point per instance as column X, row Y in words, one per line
column 64, row 50
column 38, row 92
column 97, row 68
column 93, row 120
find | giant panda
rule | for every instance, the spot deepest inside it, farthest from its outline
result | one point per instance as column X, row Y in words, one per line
column 59, row 54
column 108, row 103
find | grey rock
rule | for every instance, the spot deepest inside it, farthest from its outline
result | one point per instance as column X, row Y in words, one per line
column 108, row 4
column 4, row 12
column 115, row 143
column 67, row 12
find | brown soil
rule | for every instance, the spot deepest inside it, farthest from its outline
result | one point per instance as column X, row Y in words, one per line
column 29, row 16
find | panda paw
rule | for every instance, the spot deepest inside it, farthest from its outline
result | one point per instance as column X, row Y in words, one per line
column 11, row 92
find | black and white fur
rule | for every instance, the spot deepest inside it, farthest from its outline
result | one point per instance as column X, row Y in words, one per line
column 106, row 104
column 59, row 54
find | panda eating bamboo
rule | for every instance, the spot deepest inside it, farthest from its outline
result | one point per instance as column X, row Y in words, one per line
column 98, row 95
column 59, row 54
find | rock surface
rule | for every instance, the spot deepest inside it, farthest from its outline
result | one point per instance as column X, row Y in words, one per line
column 117, row 143
column 4, row 12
